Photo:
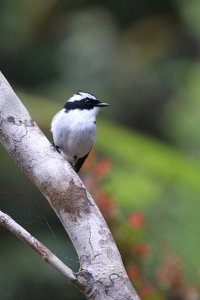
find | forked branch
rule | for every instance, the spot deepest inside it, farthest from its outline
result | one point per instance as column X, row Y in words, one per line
column 102, row 274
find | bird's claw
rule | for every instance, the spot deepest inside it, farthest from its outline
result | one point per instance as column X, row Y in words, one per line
column 56, row 147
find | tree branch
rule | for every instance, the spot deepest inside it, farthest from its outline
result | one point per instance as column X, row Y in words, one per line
column 42, row 250
column 101, row 269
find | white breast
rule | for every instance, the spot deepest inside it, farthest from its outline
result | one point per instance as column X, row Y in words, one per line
column 74, row 132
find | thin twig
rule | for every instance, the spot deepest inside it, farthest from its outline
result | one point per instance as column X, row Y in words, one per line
column 42, row 250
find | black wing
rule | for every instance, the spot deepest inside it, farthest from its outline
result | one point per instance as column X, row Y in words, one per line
column 80, row 162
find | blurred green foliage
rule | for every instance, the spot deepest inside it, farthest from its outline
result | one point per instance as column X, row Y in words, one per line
column 152, row 177
column 143, row 58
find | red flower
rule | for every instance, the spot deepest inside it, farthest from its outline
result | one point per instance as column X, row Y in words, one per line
column 136, row 220
column 133, row 272
column 148, row 291
column 143, row 249
column 106, row 204
column 102, row 168
column 170, row 272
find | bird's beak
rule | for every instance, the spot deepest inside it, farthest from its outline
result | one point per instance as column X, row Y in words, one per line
column 101, row 104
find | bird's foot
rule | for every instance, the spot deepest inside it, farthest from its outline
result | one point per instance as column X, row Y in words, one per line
column 56, row 147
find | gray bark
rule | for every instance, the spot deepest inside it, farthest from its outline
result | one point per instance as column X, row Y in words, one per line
column 102, row 274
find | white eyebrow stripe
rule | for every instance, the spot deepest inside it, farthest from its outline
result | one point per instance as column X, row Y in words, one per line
column 86, row 95
column 80, row 96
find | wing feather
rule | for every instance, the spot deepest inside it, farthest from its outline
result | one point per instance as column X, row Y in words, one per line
column 80, row 162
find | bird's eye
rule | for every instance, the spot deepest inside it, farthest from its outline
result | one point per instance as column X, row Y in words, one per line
column 87, row 101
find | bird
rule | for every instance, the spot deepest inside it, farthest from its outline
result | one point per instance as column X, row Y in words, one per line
column 74, row 128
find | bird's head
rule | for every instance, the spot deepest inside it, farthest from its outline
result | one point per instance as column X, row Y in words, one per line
column 84, row 101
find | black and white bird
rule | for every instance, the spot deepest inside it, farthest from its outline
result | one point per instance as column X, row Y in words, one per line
column 74, row 128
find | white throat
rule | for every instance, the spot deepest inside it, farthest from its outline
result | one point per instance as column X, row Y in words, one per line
column 85, row 114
